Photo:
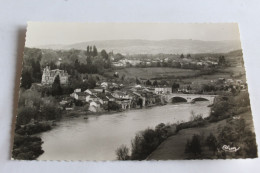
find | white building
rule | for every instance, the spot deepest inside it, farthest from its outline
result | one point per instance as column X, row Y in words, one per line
column 163, row 90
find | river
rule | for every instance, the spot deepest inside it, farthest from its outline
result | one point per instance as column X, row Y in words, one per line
column 97, row 137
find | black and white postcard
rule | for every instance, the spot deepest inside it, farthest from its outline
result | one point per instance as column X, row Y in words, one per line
column 133, row 91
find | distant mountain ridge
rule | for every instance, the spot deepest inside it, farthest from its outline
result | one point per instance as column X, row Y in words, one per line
column 172, row 46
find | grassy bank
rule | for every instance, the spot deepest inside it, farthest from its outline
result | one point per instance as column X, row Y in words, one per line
column 230, row 124
column 174, row 147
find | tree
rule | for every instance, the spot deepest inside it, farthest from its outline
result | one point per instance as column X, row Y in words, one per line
column 211, row 142
column 123, row 77
column 91, row 82
column 137, row 81
column 175, row 86
column 148, row 82
column 113, row 106
column 221, row 60
column 77, row 64
column 36, row 70
column 25, row 114
column 163, row 83
column 189, row 87
column 122, row 153
column 50, row 112
column 32, row 96
column 155, row 83
column 188, row 56
column 87, row 53
column 104, row 54
column 26, row 81
column 90, row 50
column 94, row 53
column 56, row 87
column 182, row 56
column 194, row 145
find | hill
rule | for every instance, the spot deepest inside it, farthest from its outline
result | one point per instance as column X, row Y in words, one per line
column 172, row 46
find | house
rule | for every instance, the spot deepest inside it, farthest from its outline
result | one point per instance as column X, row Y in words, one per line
column 94, row 106
column 91, row 91
column 120, row 95
column 199, row 63
column 110, row 98
column 125, row 103
column 91, row 98
column 82, row 96
column 118, row 64
column 138, row 86
column 102, row 98
column 48, row 76
column 77, row 90
column 99, row 89
column 63, row 102
column 163, row 90
column 149, row 90
column 104, row 84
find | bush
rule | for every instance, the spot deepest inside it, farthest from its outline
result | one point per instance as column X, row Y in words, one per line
column 195, row 117
column 26, row 147
column 33, row 128
column 220, row 108
column 195, row 123
column 194, row 145
column 122, row 153
column 242, row 100
column 147, row 141
column 25, row 114
column 212, row 143
column 86, row 107
column 113, row 106
column 236, row 134
column 50, row 112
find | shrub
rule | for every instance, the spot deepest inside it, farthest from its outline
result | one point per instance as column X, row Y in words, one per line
column 26, row 147
column 220, row 108
column 195, row 117
column 113, row 106
column 212, row 143
column 33, row 128
column 147, row 141
column 193, row 145
column 50, row 112
column 25, row 114
column 122, row 153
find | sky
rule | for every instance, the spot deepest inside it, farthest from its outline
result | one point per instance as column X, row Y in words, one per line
column 40, row 34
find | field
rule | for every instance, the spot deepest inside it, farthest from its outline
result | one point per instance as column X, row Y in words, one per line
column 155, row 72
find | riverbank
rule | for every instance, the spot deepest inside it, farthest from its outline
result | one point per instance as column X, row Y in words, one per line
column 173, row 148
column 80, row 112
column 27, row 145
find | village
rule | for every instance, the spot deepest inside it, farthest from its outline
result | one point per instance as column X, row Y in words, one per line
column 115, row 96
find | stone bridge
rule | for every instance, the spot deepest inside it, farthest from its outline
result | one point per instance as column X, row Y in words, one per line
column 189, row 98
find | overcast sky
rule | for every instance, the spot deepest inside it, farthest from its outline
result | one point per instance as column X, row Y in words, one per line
column 39, row 34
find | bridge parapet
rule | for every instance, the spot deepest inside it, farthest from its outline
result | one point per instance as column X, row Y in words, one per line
column 190, row 97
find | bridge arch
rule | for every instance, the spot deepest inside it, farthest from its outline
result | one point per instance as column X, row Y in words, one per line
column 200, row 99
column 177, row 99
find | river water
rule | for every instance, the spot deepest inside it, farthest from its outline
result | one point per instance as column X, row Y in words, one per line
column 97, row 137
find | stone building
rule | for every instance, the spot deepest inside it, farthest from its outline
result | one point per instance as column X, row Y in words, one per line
column 48, row 76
